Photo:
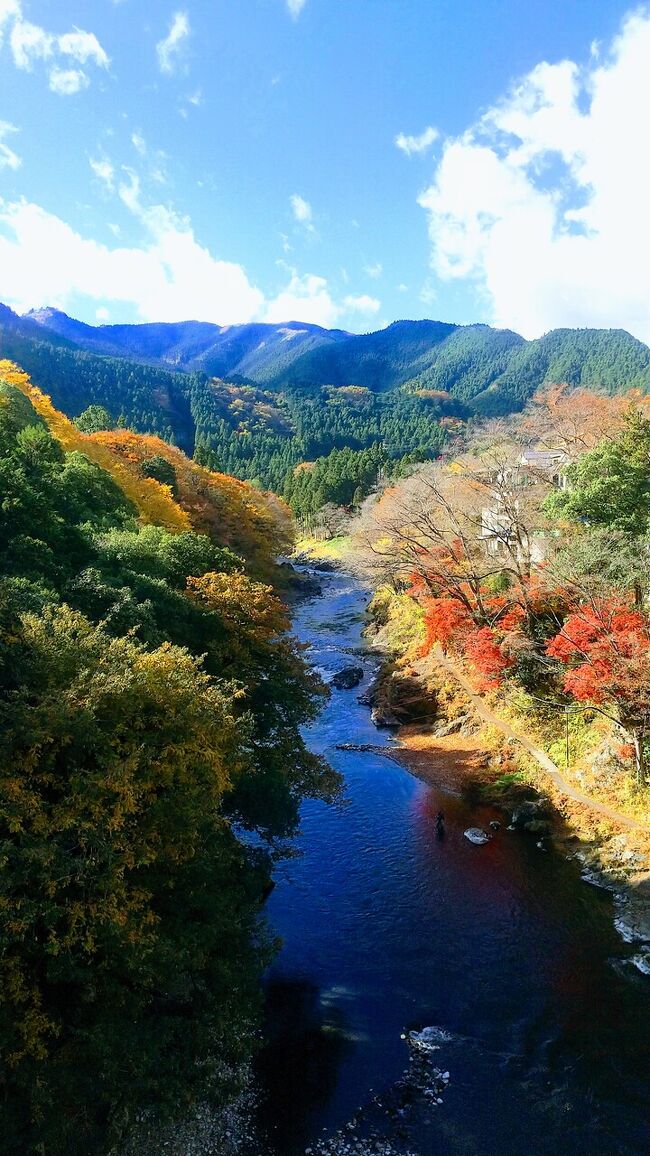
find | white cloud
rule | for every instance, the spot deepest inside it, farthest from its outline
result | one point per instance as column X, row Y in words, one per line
column 308, row 297
column 8, row 158
column 102, row 314
column 362, row 304
column 166, row 275
column 170, row 48
column 428, row 295
column 416, row 144
column 83, row 47
column 305, row 298
column 104, row 171
column 295, row 7
column 302, row 212
column 543, row 203
column 195, row 99
column 8, row 8
column 375, row 271
column 169, row 276
column 30, row 44
column 68, row 81
column 156, row 159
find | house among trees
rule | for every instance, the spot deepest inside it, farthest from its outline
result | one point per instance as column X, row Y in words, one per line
column 515, row 490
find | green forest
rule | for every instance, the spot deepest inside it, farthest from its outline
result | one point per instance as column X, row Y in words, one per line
column 279, row 405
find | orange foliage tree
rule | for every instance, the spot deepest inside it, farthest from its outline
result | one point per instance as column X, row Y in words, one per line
column 575, row 420
column 254, row 524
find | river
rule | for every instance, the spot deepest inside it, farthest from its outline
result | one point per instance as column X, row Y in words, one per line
column 545, row 1025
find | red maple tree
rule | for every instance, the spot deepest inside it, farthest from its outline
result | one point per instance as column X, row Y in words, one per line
column 606, row 646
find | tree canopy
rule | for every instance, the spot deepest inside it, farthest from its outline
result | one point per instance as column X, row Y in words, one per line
column 150, row 703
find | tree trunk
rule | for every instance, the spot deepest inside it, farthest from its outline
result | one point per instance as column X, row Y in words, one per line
column 639, row 756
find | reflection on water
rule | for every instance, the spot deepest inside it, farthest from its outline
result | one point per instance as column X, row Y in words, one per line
column 386, row 928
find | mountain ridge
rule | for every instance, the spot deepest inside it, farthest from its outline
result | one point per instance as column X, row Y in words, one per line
column 493, row 370
column 186, row 345
column 256, row 400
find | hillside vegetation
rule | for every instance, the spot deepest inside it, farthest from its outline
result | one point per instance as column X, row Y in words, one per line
column 260, row 402
column 150, row 704
column 530, row 572
column 464, row 360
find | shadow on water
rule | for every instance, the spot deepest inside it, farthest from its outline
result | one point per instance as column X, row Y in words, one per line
column 305, row 1041
column 386, row 927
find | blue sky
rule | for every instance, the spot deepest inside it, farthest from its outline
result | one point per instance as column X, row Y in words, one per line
column 341, row 162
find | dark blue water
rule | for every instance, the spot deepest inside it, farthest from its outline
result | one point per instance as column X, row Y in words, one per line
column 386, row 928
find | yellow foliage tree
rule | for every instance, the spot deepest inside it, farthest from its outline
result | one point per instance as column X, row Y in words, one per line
column 152, row 499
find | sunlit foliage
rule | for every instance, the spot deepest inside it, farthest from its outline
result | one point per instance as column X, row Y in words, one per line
column 150, row 693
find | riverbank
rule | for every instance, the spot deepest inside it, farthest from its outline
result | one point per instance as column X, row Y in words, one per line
column 462, row 742
column 388, row 928
column 480, row 744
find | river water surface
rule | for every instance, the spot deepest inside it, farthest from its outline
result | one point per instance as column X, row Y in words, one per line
column 386, row 928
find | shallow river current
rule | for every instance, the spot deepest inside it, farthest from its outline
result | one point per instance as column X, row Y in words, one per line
column 386, row 928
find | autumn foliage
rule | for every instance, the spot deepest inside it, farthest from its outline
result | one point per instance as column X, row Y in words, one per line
column 150, row 704
column 450, row 624
column 486, row 656
column 232, row 512
column 606, row 647
column 152, row 500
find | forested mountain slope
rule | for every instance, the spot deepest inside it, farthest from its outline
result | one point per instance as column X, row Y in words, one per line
column 496, row 370
column 144, row 398
column 258, row 400
column 255, row 350
column 609, row 361
column 254, row 433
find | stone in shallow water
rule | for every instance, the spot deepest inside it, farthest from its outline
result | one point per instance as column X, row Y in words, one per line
column 476, row 835
column 348, row 678
column 428, row 1039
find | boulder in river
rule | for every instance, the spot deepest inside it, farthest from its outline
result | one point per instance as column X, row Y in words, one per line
column 526, row 812
column 325, row 565
column 538, row 827
column 383, row 716
column 348, row 678
column 367, row 696
column 443, row 730
column 476, row 835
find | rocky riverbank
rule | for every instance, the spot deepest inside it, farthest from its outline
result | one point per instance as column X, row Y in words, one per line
column 440, row 738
